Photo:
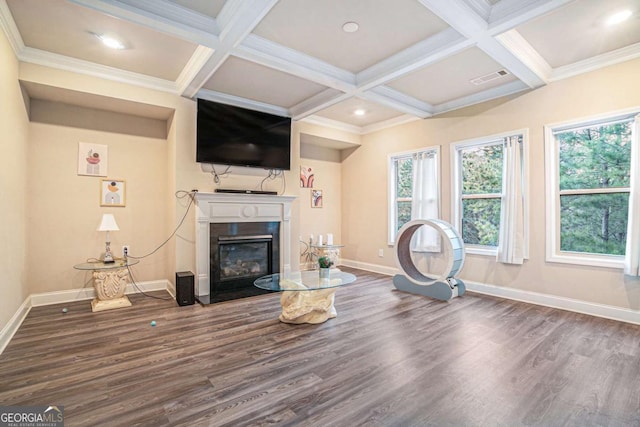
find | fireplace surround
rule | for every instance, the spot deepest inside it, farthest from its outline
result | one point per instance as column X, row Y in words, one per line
column 230, row 213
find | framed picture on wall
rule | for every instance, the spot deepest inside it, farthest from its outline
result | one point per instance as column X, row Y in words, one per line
column 112, row 192
column 316, row 198
column 92, row 159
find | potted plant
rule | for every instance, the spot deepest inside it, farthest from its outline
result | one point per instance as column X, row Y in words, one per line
column 324, row 263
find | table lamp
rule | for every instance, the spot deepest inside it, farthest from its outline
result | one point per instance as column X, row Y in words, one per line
column 108, row 224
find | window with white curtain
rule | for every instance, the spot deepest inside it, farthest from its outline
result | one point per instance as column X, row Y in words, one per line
column 490, row 195
column 413, row 187
column 590, row 183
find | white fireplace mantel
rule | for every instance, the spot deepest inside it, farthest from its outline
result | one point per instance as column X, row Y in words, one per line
column 225, row 207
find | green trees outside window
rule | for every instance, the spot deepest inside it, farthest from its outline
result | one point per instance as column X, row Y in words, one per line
column 481, row 193
column 594, row 180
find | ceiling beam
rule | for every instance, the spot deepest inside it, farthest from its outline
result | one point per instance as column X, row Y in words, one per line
column 421, row 54
column 273, row 55
column 318, row 102
column 237, row 19
column 398, row 101
column 508, row 14
column 459, row 15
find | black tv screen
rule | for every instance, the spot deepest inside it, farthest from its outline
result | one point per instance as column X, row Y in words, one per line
column 237, row 136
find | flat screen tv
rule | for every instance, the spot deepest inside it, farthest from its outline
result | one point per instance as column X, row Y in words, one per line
column 237, row 136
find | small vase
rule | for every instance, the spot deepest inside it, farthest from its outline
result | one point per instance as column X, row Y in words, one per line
column 324, row 274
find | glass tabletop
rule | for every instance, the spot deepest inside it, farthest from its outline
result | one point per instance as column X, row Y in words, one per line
column 99, row 265
column 304, row 281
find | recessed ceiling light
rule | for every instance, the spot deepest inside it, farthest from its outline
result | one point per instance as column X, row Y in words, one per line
column 359, row 112
column 619, row 17
column 350, row 27
column 110, row 42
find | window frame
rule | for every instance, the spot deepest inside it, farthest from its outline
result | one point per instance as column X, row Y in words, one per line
column 456, row 183
column 553, row 192
column 392, row 222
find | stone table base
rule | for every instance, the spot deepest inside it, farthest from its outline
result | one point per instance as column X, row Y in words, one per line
column 110, row 287
column 308, row 306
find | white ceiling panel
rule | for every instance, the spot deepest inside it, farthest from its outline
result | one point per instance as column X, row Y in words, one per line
column 344, row 112
column 315, row 28
column 67, row 29
column 248, row 80
column 578, row 31
column 451, row 78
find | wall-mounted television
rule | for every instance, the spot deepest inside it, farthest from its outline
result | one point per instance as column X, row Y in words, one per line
column 237, row 136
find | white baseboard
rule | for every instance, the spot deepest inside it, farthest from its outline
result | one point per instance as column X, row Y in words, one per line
column 71, row 295
column 594, row 309
column 620, row 314
column 375, row 268
column 58, row 297
column 14, row 323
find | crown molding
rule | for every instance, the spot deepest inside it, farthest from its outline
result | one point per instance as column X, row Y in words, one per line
column 61, row 62
column 10, row 29
column 591, row 64
column 396, row 121
column 333, row 124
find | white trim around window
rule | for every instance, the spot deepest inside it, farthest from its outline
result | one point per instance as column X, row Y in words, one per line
column 456, row 184
column 553, row 193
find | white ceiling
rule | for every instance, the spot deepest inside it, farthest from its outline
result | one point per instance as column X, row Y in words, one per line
column 409, row 59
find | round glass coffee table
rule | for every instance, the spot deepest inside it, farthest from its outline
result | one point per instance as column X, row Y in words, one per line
column 306, row 297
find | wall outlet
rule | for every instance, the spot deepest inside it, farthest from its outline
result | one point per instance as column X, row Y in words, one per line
column 381, row 253
column 126, row 251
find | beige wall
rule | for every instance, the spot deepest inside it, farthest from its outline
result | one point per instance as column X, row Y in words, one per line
column 65, row 207
column 365, row 215
column 13, row 187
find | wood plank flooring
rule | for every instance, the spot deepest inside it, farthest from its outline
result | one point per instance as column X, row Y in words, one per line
column 388, row 359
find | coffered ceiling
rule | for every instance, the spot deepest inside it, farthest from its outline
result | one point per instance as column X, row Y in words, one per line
column 408, row 59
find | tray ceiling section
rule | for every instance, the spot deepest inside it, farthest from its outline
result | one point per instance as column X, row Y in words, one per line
column 579, row 31
column 450, row 78
column 244, row 79
column 315, row 28
column 67, row 29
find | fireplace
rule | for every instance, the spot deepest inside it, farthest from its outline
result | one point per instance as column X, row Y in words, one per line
column 234, row 232
column 240, row 253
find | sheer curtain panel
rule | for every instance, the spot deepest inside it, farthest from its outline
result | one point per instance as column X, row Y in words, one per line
column 425, row 203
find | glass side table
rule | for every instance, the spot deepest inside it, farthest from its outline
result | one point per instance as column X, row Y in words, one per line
column 110, row 282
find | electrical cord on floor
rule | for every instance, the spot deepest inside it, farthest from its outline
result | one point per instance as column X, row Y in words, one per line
column 135, row 285
column 180, row 194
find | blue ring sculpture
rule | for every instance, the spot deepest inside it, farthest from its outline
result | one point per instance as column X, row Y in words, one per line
column 443, row 287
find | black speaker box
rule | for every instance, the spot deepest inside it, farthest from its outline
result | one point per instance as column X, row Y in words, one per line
column 185, row 294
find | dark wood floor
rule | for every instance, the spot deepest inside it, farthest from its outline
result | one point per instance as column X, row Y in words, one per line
column 388, row 359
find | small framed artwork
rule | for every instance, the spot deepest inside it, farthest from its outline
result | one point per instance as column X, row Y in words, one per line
column 316, row 198
column 112, row 192
column 306, row 177
column 92, row 159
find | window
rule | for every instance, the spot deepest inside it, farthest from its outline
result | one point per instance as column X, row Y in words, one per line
column 479, row 168
column 588, row 167
column 402, row 168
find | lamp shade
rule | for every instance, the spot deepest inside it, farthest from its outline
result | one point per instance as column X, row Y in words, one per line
column 108, row 223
